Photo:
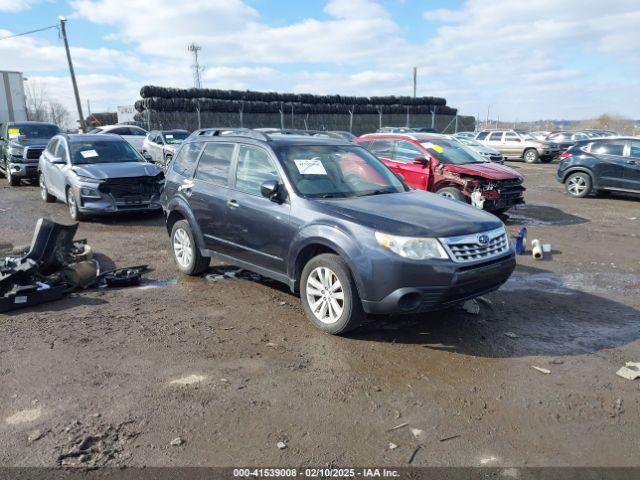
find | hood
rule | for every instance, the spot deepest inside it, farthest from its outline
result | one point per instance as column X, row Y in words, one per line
column 488, row 170
column 104, row 171
column 413, row 213
column 29, row 142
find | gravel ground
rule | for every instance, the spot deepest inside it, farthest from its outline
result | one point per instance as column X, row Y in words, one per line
column 195, row 372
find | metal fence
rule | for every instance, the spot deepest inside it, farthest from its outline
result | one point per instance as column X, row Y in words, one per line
column 355, row 123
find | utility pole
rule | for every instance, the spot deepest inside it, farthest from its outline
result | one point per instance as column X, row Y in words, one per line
column 415, row 81
column 63, row 30
column 194, row 48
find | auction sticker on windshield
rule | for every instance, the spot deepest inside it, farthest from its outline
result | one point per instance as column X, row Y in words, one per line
column 13, row 133
column 89, row 153
column 310, row 167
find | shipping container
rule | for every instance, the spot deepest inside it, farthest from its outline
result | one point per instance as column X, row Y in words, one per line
column 13, row 103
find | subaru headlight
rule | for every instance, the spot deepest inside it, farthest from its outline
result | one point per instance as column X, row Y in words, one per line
column 415, row 248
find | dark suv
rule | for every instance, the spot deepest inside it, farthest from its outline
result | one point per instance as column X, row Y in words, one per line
column 21, row 144
column 332, row 222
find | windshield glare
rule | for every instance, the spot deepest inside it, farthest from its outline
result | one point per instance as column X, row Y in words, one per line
column 175, row 137
column 453, row 153
column 28, row 132
column 334, row 171
column 84, row 153
column 469, row 142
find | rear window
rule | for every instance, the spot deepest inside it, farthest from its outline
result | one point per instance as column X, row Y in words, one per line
column 608, row 148
column 214, row 163
column 481, row 136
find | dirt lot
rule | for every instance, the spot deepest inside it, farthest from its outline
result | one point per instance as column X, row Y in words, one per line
column 233, row 367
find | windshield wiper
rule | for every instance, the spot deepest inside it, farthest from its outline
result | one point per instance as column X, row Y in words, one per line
column 380, row 191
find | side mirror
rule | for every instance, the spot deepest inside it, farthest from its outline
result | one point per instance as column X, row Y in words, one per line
column 271, row 190
column 147, row 156
column 421, row 161
column 58, row 161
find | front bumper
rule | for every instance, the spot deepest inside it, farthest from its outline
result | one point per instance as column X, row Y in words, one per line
column 456, row 283
column 108, row 206
column 23, row 170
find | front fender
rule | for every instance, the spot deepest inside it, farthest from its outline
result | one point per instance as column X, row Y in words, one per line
column 179, row 204
column 336, row 239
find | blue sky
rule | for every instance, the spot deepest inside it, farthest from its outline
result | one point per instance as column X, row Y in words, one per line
column 528, row 60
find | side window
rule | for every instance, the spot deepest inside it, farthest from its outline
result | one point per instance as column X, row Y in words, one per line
column 185, row 161
column 214, row 163
column 608, row 148
column 511, row 137
column 119, row 131
column 366, row 144
column 51, row 148
column 635, row 149
column 482, row 135
column 61, row 151
column 382, row 148
column 495, row 137
column 254, row 168
column 407, row 151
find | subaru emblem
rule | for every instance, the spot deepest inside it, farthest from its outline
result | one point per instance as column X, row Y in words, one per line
column 483, row 239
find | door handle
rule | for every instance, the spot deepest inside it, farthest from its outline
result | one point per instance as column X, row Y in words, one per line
column 233, row 204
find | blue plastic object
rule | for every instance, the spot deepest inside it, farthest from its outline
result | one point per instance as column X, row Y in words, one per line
column 521, row 241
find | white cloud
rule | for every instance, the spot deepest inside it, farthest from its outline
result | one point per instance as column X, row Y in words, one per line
column 13, row 6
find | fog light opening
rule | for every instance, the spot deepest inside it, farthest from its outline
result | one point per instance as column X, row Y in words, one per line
column 409, row 301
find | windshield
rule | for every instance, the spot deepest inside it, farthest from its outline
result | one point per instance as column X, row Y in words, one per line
column 28, row 131
column 335, row 171
column 469, row 142
column 83, row 153
column 454, row 153
column 175, row 137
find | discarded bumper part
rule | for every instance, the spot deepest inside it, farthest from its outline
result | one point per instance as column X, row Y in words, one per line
column 630, row 371
column 123, row 277
column 51, row 245
column 29, row 296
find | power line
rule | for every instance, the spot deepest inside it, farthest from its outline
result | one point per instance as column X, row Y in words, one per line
column 30, row 32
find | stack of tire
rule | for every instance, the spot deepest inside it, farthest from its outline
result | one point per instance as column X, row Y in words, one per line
column 163, row 107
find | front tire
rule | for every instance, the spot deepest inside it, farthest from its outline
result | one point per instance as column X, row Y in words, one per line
column 44, row 193
column 329, row 295
column 11, row 179
column 452, row 192
column 72, row 204
column 531, row 155
column 578, row 184
column 185, row 250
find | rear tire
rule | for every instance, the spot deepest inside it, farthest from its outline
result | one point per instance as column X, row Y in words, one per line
column 329, row 295
column 530, row 155
column 185, row 250
column 452, row 192
column 578, row 184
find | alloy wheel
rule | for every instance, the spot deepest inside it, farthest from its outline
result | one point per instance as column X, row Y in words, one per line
column 182, row 247
column 325, row 295
column 576, row 185
column 43, row 188
column 531, row 156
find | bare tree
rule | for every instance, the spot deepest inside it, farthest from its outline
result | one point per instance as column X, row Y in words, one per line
column 42, row 109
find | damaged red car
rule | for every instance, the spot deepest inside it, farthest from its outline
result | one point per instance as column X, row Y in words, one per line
column 439, row 164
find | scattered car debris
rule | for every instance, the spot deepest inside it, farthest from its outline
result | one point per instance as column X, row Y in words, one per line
column 536, row 249
column 630, row 371
column 511, row 335
column 216, row 276
column 471, row 306
column 35, row 436
column 54, row 266
column 546, row 248
column 392, row 446
column 281, row 445
column 176, row 442
column 485, row 300
column 541, row 370
column 397, row 427
column 413, row 455
column 417, row 433
column 445, row 439
column 520, row 236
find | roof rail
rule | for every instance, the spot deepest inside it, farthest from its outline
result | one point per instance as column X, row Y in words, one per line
column 239, row 132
